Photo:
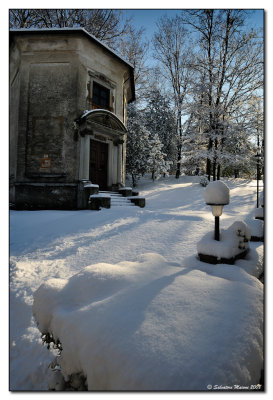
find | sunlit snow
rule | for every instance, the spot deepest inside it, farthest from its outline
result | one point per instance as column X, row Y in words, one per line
column 131, row 303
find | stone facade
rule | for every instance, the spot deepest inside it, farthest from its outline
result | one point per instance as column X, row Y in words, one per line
column 56, row 128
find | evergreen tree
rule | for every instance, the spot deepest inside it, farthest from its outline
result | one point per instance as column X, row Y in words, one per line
column 138, row 146
column 156, row 163
column 238, row 155
column 194, row 150
column 159, row 119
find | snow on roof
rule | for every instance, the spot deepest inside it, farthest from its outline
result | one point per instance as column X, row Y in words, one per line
column 115, row 124
column 96, row 111
column 217, row 192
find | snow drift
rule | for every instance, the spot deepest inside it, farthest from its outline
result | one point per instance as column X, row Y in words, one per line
column 155, row 325
column 51, row 244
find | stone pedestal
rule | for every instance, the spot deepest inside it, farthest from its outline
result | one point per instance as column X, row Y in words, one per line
column 138, row 201
column 96, row 202
column 125, row 191
column 215, row 260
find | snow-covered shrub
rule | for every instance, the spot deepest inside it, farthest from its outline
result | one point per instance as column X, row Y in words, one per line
column 129, row 326
column 243, row 232
column 241, row 229
column 57, row 381
column 233, row 241
column 204, row 180
column 217, row 192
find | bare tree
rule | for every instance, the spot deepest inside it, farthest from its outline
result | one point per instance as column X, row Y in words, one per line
column 21, row 18
column 134, row 49
column 172, row 50
column 105, row 24
column 230, row 63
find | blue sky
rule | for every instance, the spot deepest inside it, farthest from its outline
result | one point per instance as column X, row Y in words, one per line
column 148, row 17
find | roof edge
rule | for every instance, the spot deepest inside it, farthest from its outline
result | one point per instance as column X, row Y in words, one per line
column 72, row 29
column 90, row 37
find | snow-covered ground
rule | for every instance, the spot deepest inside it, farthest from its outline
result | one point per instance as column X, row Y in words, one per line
column 59, row 244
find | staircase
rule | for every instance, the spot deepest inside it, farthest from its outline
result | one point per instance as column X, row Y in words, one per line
column 117, row 200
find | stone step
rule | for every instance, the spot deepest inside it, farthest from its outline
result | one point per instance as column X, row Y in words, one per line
column 111, row 194
column 117, row 200
column 121, row 203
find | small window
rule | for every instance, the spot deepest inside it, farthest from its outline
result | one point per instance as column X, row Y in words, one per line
column 101, row 96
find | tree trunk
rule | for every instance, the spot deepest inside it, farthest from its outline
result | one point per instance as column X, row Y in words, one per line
column 208, row 168
column 179, row 147
column 133, row 180
column 214, row 169
column 218, row 172
column 214, row 160
column 178, row 165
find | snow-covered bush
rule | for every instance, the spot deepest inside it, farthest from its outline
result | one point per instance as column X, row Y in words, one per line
column 75, row 382
column 241, row 229
column 233, row 241
column 136, row 325
column 204, row 180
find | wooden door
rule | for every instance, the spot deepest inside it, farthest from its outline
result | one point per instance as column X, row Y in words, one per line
column 98, row 163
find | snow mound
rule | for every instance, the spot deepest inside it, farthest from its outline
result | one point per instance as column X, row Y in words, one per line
column 241, row 229
column 155, row 325
column 253, row 263
column 232, row 242
column 259, row 213
column 217, row 192
column 256, row 227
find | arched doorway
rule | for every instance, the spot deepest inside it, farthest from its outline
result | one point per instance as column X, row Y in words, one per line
column 102, row 153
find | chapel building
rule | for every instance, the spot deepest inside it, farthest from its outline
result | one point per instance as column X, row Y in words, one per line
column 68, row 98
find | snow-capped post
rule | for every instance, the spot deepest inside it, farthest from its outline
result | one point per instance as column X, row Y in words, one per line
column 216, row 195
